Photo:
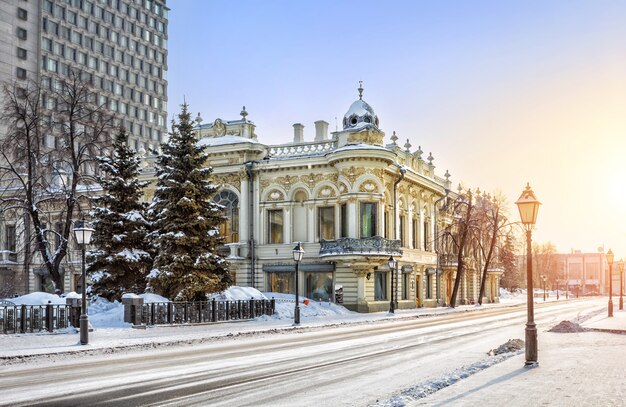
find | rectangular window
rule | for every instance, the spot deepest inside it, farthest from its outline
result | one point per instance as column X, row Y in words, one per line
column 21, row 53
column 22, row 34
column 318, row 286
column 414, row 242
column 20, row 73
column 368, row 219
column 326, row 222
column 402, row 230
column 426, row 237
column 344, row 220
column 388, row 226
column 380, row 285
column 22, row 14
column 275, row 225
column 405, row 286
column 280, row 282
column 10, row 239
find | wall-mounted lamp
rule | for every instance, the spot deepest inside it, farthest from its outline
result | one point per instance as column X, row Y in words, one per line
column 368, row 275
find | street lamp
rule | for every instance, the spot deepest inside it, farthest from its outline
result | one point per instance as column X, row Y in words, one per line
column 544, row 286
column 82, row 233
column 609, row 259
column 620, row 265
column 297, row 252
column 528, row 206
column 392, row 263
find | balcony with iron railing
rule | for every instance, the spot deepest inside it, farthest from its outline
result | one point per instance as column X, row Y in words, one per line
column 369, row 246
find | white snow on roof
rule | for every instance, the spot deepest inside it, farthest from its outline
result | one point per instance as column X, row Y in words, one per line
column 360, row 146
column 219, row 141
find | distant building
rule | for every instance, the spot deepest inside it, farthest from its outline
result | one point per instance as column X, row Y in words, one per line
column 587, row 273
column 121, row 45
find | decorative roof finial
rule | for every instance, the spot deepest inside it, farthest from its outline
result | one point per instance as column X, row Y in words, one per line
column 360, row 89
column 407, row 146
column 447, row 175
column 394, row 138
column 243, row 113
column 419, row 152
column 430, row 158
column 198, row 119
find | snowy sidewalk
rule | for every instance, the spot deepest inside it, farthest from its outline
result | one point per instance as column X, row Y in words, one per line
column 575, row 369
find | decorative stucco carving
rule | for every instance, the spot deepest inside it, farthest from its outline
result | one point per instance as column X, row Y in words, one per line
column 327, row 192
column 352, row 173
column 368, row 186
column 275, row 195
column 311, row 179
column 287, row 181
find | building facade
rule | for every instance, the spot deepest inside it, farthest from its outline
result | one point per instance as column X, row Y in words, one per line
column 120, row 45
column 352, row 200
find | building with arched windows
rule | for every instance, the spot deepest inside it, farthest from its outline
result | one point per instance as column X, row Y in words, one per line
column 353, row 201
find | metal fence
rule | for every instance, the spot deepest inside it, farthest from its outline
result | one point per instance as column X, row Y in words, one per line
column 160, row 313
column 33, row 318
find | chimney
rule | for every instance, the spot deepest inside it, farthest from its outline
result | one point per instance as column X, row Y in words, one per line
column 298, row 133
column 321, row 130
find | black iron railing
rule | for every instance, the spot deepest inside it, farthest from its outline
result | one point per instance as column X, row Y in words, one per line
column 161, row 313
column 369, row 246
column 33, row 318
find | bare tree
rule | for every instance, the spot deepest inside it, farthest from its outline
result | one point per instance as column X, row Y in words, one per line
column 54, row 132
column 492, row 228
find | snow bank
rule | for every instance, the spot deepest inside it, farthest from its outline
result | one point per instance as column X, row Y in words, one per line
column 106, row 314
column 37, row 298
column 150, row 298
column 285, row 305
column 235, row 293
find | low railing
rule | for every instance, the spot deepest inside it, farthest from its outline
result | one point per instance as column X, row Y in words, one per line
column 162, row 313
column 367, row 246
column 294, row 150
column 33, row 318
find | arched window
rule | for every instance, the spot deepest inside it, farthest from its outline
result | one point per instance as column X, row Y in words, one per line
column 230, row 227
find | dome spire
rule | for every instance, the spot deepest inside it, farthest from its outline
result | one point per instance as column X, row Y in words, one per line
column 360, row 89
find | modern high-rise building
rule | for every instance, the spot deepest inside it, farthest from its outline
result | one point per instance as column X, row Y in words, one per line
column 120, row 44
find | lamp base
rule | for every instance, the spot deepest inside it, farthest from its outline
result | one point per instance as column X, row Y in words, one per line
column 84, row 329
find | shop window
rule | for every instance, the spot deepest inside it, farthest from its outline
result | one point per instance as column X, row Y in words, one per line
column 275, row 225
column 326, row 222
column 368, row 219
column 281, row 283
column 380, row 285
column 318, row 286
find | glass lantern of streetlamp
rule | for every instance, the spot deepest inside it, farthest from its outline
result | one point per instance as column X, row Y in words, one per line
column 82, row 232
column 528, row 206
column 298, row 253
column 620, row 265
column 610, row 257
column 391, row 263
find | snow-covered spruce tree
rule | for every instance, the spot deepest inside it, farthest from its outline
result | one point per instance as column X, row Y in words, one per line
column 186, row 220
column 121, row 259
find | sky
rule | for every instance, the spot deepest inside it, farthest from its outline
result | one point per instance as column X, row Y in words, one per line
column 501, row 93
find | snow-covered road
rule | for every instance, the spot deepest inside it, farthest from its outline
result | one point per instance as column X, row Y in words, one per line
column 349, row 365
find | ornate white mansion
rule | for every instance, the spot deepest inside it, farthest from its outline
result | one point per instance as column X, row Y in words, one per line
column 350, row 199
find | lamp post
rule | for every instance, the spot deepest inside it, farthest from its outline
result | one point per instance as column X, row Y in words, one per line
column 620, row 265
column 557, row 289
column 543, row 278
column 82, row 233
column 297, row 252
column 392, row 263
column 609, row 259
column 528, row 206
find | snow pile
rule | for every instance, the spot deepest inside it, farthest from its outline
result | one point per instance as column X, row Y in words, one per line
column 567, row 327
column 37, row 298
column 150, row 298
column 428, row 387
column 106, row 314
column 235, row 293
column 512, row 345
column 285, row 305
